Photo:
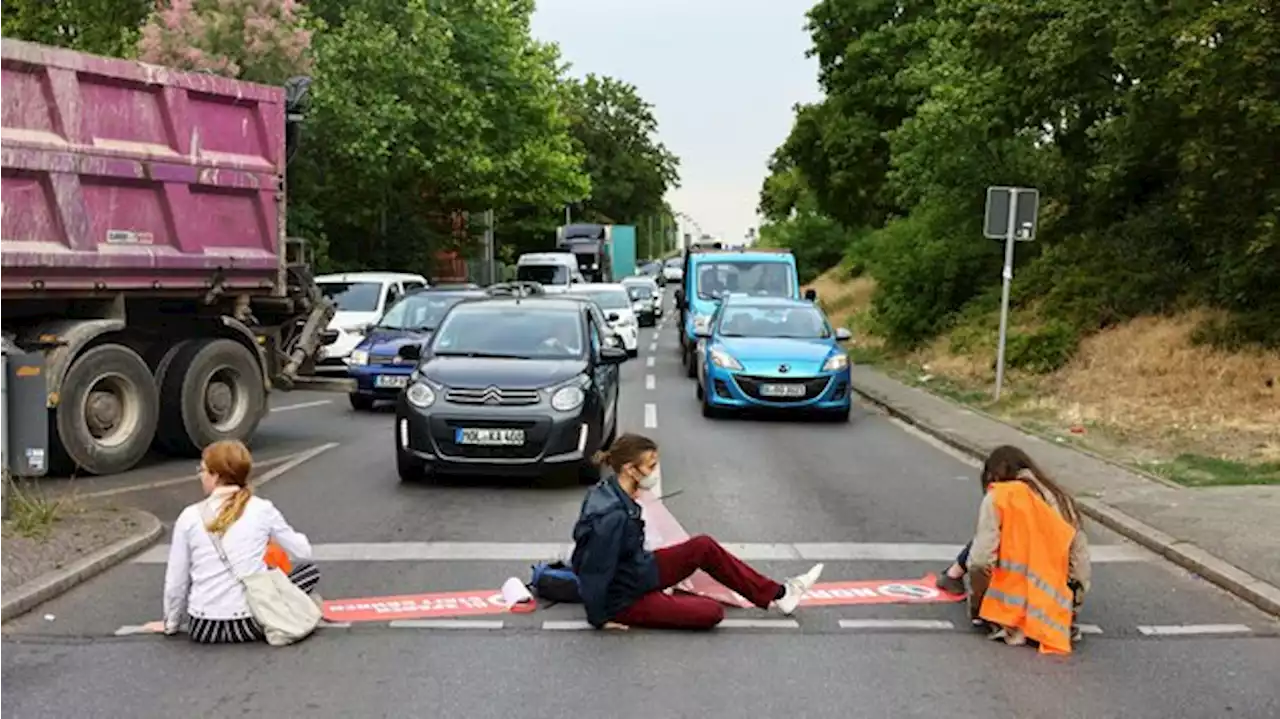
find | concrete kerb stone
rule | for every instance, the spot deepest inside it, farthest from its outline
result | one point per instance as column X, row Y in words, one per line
column 52, row 584
column 1189, row 556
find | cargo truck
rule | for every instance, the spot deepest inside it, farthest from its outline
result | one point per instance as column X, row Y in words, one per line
column 145, row 257
column 606, row 253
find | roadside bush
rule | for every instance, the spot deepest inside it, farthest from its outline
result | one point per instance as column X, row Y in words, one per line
column 1043, row 350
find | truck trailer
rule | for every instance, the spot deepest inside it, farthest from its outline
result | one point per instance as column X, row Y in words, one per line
column 145, row 256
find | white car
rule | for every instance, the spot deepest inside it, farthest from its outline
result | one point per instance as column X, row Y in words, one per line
column 361, row 298
column 646, row 302
column 673, row 269
column 615, row 303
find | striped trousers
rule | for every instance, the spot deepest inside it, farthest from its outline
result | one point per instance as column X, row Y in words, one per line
column 246, row 629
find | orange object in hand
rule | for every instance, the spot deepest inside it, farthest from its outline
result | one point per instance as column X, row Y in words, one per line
column 277, row 558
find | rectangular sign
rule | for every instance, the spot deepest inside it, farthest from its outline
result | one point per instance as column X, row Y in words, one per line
column 416, row 606
column 995, row 223
column 877, row 591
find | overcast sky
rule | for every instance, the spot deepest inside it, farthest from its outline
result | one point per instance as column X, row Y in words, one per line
column 722, row 75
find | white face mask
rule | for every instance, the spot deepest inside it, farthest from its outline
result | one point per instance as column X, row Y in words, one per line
column 648, row 481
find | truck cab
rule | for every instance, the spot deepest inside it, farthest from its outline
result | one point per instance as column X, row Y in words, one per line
column 589, row 244
column 713, row 273
column 555, row 271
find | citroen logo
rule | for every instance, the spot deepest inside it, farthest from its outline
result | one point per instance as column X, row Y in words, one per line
column 784, row 368
column 492, row 395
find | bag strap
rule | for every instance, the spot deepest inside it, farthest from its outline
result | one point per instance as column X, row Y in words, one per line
column 217, row 545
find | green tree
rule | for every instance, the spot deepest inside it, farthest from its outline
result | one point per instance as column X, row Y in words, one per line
column 630, row 169
column 101, row 27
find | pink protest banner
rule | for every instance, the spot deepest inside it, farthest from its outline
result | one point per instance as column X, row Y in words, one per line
column 663, row 530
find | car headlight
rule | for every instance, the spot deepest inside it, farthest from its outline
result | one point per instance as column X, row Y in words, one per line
column 836, row 362
column 569, row 398
column 359, row 357
column 701, row 323
column 420, row 395
column 723, row 359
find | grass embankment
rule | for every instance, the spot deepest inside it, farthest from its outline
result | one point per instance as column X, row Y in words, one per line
column 1143, row 393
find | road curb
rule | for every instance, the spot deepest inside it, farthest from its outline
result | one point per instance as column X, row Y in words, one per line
column 1189, row 556
column 52, row 584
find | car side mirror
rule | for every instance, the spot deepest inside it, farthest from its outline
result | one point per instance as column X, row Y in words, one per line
column 410, row 352
column 612, row 355
column 843, row 335
column 328, row 337
column 702, row 332
column 811, row 294
column 613, row 316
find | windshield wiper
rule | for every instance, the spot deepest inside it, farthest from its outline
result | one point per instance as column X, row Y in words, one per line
column 481, row 355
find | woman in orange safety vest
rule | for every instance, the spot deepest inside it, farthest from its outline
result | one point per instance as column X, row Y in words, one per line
column 1029, row 562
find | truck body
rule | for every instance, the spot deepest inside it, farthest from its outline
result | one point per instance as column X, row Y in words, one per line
column 144, row 254
column 622, row 250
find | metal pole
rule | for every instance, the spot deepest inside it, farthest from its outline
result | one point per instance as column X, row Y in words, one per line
column 4, row 436
column 566, row 215
column 1006, row 280
column 489, row 254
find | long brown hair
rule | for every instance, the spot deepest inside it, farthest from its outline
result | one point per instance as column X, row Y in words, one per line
column 626, row 449
column 1008, row 463
column 231, row 462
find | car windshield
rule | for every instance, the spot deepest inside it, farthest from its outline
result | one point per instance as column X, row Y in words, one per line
column 543, row 274
column 640, row 292
column 422, row 311
column 675, row 262
column 353, row 296
column 774, row 322
column 499, row 330
column 610, row 299
column 758, row 279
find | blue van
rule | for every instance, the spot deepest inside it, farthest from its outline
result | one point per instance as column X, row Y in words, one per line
column 710, row 274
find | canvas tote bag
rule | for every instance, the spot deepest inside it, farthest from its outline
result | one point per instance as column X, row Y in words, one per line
column 286, row 613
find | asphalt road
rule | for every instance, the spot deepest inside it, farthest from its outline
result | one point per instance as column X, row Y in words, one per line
column 875, row 500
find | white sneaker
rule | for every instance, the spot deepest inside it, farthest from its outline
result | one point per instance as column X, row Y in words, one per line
column 795, row 589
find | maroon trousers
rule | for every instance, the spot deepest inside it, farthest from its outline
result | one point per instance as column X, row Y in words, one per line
column 657, row 610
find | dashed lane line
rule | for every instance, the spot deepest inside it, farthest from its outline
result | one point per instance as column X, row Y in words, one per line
column 649, row 381
column 648, row 361
column 1183, row 630
column 447, row 624
column 650, row 415
column 896, row 624
column 301, row 405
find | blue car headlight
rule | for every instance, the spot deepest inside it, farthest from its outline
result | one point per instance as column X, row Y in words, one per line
column 723, row 359
column 836, row 362
column 359, row 357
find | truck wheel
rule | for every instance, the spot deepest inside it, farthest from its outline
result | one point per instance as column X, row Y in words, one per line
column 107, row 411
column 212, row 391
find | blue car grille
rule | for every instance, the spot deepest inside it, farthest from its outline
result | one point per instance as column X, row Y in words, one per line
column 383, row 359
column 750, row 386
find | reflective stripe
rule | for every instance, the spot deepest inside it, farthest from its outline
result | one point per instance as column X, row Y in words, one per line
column 1021, row 603
column 1036, row 581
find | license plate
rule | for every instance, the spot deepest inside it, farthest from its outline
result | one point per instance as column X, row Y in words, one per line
column 391, row 381
column 782, row 390
column 491, row 437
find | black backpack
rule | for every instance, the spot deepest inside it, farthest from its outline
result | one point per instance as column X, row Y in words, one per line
column 555, row 582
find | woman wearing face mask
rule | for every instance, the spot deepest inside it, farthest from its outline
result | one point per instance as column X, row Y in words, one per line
column 622, row 583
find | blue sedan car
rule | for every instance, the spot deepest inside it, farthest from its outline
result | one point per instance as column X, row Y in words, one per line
column 376, row 365
column 772, row 353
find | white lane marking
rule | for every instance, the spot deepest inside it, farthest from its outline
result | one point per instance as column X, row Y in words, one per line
column 653, row 346
column 649, row 382
column 752, row 552
column 896, row 624
column 1183, row 630
column 760, row 624
column 1089, row 628
column 566, row 626
column 446, row 624
column 131, row 629
column 285, row 467
column 301, row 405
column 162, row 483
column 650, row 415
column 648, row 361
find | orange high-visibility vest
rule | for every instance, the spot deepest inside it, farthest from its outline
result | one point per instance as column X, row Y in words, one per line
column 277, row 558
column 1028, row 587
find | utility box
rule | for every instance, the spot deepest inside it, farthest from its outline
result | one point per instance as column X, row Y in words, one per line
column 26, row 414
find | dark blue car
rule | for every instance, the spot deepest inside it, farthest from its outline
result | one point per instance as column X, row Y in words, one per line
column 376, row 366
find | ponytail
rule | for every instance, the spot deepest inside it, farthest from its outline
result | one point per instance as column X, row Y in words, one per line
column 626, row 449
column 231, row 462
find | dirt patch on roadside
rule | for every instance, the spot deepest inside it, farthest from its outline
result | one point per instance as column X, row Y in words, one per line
column 73, row 535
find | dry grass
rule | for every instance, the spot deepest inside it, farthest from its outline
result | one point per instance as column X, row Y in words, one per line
column 847, row 303
column 1144, row 389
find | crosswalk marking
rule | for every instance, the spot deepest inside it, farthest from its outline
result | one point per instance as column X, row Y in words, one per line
column 747, row 551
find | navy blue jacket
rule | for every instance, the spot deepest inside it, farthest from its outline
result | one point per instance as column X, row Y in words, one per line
column 613, row 567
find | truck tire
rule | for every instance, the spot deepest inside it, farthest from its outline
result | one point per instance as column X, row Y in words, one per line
column 107, row 412
column 212, row 390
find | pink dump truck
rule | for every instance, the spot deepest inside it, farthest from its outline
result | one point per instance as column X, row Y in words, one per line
column 144, row 254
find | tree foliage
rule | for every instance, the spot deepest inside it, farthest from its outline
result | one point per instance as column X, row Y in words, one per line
column 1152, row 132
column 424, row 114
